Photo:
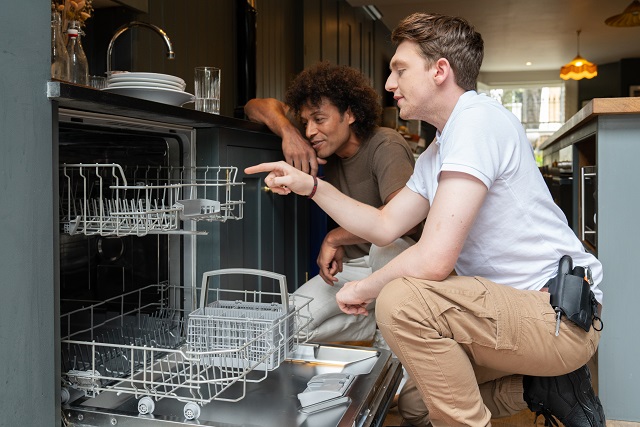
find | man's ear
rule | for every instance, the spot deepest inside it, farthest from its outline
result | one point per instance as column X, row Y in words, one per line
column 350, row 117
column 441, row 70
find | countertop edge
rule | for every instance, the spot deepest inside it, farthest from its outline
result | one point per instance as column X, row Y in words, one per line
column 89, row 99
column 595, row 107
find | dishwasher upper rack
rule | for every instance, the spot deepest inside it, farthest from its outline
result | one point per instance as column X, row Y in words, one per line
column 108, row 199
column 152, row 365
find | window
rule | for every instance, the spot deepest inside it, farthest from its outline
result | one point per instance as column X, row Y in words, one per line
column 540, row 108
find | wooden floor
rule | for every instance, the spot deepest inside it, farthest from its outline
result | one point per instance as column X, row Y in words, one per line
column 522, row 419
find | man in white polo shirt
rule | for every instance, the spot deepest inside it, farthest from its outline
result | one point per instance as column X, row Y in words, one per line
column 485, row 343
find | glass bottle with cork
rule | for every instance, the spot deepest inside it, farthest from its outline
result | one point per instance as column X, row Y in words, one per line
column 78, row 64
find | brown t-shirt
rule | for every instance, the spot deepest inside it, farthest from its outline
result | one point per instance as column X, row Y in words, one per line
column 382, row 165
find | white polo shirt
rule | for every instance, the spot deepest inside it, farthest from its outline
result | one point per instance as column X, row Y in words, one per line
column 520, row 234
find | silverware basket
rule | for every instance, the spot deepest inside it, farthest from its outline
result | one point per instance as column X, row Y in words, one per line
column 266, row 329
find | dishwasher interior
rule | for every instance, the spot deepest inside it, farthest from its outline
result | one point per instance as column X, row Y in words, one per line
column 146, row 342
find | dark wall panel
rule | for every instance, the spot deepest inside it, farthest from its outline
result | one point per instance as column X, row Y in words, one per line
column 312, row 32
column 336, row 32
column 382, row 52
column 329, row 23
column 291, row 35
column 202, row 34
column 613, row 80
column 279, row 54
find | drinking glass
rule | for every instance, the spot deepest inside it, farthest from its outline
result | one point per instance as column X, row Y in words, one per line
column 207, row 88
column 97, row 82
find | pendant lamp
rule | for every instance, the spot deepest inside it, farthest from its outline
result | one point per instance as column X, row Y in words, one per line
column 630, row 17
column 579, row 68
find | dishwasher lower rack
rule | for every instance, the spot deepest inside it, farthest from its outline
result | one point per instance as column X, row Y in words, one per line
column 269, row 403
column 164, row 359
column 111, row 200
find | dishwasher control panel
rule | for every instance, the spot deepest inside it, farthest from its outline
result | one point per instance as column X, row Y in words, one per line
column 324, row 387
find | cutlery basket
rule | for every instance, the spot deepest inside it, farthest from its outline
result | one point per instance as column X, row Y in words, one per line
column 266, row 330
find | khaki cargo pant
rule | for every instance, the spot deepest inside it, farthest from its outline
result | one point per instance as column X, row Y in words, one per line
column 466, row 342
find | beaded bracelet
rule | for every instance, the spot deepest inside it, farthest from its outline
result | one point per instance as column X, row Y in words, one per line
column 315, row 187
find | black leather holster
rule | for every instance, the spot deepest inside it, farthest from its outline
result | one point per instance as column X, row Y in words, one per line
column 571, row 294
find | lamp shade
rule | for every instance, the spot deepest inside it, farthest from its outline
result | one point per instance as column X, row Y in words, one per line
column 579, row 68
column 630, row 17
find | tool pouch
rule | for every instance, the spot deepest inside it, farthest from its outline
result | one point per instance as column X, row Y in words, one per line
column 571, row 294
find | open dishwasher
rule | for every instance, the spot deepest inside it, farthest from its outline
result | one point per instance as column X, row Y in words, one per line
column 141, row 344
column 232, row 362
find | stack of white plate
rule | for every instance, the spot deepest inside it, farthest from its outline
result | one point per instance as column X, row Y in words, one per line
column 156, row 87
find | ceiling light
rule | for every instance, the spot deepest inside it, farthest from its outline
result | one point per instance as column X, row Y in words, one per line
column 629, row 18
column 528, row 63
column 372, row 11
column 579, row 68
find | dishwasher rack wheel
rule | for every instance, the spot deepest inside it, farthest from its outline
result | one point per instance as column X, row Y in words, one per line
column 146, row 405
column 65, row 396
column 191, row 411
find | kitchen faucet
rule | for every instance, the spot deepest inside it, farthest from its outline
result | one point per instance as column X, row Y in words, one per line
column 125, row 27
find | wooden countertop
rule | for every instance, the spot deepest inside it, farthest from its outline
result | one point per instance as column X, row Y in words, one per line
column 596, row 107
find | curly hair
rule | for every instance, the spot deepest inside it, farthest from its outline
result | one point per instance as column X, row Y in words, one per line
column 449, row 37
column 345, row 87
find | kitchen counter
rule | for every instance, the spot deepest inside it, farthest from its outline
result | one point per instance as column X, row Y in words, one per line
column 602, row 144
column 88, row 99
column 596, row 107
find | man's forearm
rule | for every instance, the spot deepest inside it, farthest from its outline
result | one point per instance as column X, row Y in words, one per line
column 415, row 261
column 341, row 237
column 342, row 208
column 373, row 225
column 271, row 113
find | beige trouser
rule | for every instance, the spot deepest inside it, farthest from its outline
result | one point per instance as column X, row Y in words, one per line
column 329, row 323
column 466, row 342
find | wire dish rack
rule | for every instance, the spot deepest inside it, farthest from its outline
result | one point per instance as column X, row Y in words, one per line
column 153, row 356
column 110, row 200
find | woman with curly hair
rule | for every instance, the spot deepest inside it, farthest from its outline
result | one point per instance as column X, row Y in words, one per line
column 339, row 112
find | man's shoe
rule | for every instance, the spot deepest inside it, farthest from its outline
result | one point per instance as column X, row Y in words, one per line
column 569, row 398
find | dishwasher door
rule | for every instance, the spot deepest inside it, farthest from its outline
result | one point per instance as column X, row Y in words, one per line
column 272, row 402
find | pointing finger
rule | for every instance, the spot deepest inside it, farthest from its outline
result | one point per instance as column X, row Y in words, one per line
column 263, row 167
